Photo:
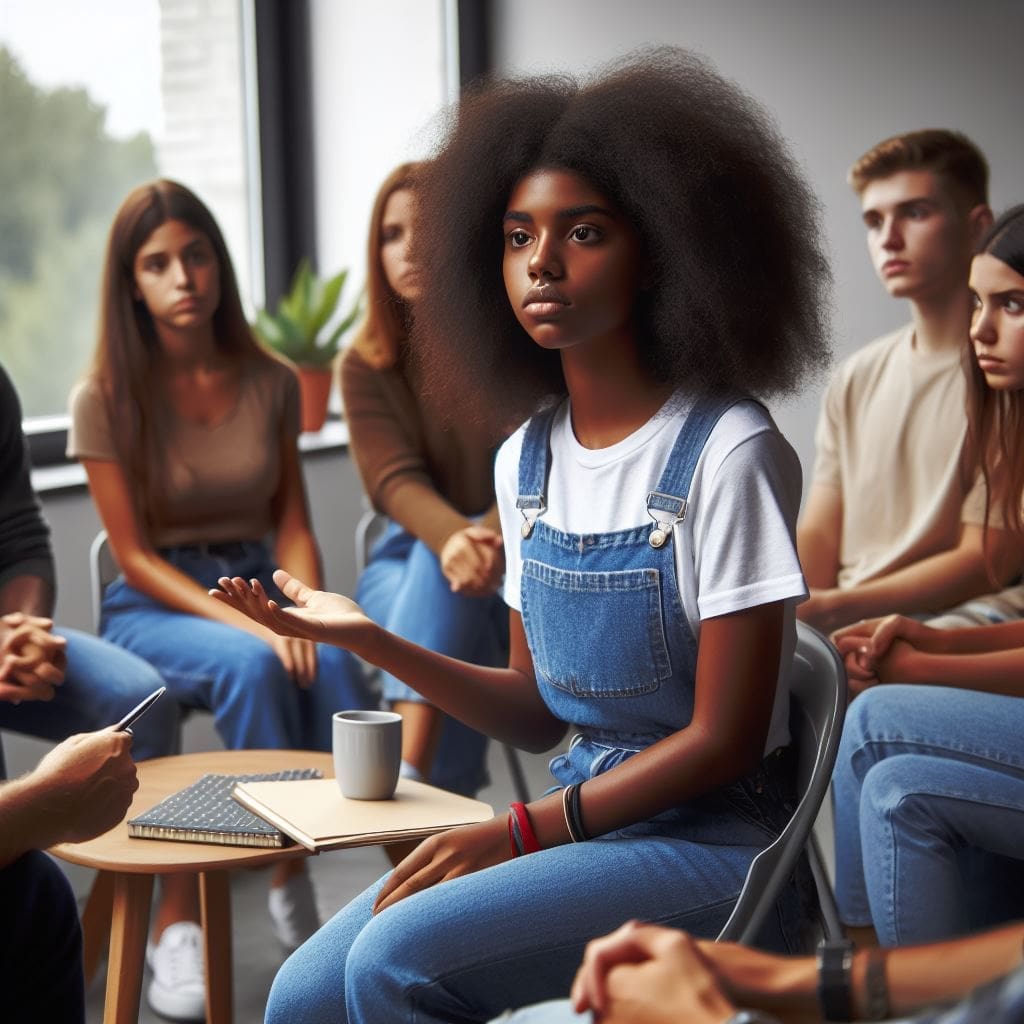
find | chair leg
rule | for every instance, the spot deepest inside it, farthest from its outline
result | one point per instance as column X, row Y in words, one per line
column 96, row 922
column 515, row 769
column 826, row 898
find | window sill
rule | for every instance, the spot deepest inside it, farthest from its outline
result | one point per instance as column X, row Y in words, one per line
column 70, row 476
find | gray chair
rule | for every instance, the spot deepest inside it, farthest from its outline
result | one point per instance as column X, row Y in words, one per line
column 103, row 570
column 817, row 708
column 370, row 526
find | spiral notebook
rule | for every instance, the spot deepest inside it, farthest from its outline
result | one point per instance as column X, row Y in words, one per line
column 206, row 813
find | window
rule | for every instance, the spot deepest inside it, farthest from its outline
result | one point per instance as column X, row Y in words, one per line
column 125, row 91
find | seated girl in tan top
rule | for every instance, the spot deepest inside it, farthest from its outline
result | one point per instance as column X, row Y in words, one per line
column 187, row 430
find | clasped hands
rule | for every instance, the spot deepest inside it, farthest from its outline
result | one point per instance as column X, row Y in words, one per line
column 881, row 650
column 32, row 658
column 473, row 561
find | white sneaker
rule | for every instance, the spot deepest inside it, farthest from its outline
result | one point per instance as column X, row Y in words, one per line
column 293, row 911
column 178, row 987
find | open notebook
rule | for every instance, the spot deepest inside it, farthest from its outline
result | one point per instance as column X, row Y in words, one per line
column 314, row 813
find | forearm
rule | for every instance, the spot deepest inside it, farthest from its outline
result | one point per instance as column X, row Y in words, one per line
column 154, row 576
column 939, row 582
column 19, row 823
column 30, row 594
column 413, row 502
column 999, row 672
column 296, row 552
column 503, row 703
column 1004, row 636
column 819, row 557
column 681, row 767
column 921, row 976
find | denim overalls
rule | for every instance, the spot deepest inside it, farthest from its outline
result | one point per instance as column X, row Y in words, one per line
column 614, row 655
column 612, row 649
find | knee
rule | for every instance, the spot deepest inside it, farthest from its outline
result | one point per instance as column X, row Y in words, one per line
column 385, row 962
column 292, row 996
column 896, row 796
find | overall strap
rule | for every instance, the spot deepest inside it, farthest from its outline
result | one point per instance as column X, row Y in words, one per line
column 534, row 467
column 667, row 504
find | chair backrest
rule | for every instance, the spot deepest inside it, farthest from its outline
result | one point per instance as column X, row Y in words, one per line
column 817, row 686
column 370, row 526
column 103, row 570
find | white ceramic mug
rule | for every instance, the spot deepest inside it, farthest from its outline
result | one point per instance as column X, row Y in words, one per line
column 367, row 748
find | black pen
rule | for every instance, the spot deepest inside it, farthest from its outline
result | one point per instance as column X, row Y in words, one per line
column 140, row 709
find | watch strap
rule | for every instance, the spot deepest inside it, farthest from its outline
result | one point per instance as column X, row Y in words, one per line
column 834, row 994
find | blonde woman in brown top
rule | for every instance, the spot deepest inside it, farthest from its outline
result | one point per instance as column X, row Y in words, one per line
column 187, row 430
column 433, row 576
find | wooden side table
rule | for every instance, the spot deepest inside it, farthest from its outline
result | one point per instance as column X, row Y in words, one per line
column 128, row 866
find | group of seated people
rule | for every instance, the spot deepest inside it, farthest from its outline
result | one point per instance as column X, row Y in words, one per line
column 607, row 317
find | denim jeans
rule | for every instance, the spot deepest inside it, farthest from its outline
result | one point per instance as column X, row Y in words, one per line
column 468, row 948
column 404, row 590
column 101, row 683
column 219, row 668
column 929, row 783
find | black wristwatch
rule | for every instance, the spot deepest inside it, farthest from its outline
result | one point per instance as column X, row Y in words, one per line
column 834, row 994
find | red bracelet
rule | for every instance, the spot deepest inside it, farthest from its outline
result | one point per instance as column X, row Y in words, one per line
column 512, row 837
column 530, row 844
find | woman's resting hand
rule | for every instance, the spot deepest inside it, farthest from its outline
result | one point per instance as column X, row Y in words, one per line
column 459, row 851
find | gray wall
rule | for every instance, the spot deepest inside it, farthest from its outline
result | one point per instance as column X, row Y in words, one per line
column 838, row 77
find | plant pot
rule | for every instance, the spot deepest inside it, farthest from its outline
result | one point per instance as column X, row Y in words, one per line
column 314, row 390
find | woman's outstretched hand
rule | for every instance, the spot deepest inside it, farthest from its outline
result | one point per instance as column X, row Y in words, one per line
column 317, row 614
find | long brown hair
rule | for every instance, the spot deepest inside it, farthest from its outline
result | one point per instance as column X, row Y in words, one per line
column 387, row 316
column 127, row 350
column 996, row 418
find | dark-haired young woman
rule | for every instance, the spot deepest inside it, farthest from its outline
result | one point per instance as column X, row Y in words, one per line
column 935, row 766
column 434, row 574
column 187, row 430
column 625, row 262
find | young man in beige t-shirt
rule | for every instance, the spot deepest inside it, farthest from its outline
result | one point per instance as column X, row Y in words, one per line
column 894, row 521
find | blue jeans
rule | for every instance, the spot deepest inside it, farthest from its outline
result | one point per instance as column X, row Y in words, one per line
column 216, row 667
column 929, row 783
column 101, row 683
column 404, row 590
column 509, row 935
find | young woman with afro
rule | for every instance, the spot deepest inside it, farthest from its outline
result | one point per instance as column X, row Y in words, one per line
column 626, row 262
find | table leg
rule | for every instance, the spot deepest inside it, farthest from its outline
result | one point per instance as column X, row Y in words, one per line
column 215, row 908
column 96, row 922
column 128, row 927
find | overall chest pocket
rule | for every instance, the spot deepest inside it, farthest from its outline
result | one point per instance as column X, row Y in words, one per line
column 597, row 634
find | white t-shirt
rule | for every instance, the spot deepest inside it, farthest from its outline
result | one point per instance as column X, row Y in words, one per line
column 737, row 536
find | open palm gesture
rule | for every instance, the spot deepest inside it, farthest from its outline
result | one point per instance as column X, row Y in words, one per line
column 317, row 614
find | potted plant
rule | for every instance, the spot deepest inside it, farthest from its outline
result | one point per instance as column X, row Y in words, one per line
column 299, row 330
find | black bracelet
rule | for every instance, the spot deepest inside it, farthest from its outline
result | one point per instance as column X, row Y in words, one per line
column 876, row 1002
column 834, row 962
column 567, row 794
column 576, row 816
